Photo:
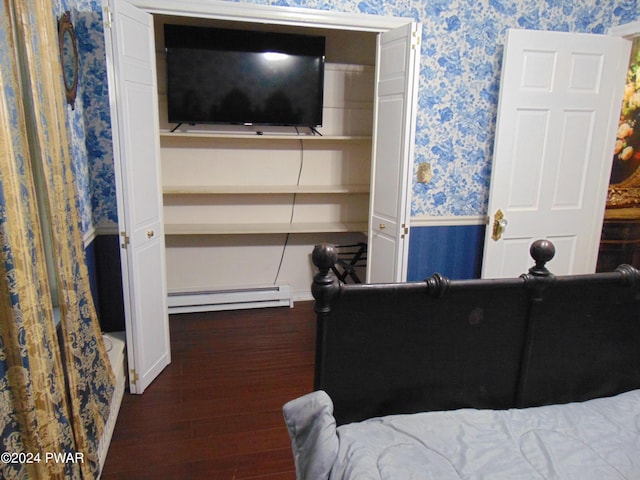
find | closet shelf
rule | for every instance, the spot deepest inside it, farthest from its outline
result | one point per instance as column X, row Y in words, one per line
column 264, row 137
column 262, row 228
column 262, row 189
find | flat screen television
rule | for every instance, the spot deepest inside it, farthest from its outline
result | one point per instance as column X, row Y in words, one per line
column 224, row 76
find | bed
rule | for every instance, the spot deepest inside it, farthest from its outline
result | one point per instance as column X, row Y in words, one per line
column 522, row 378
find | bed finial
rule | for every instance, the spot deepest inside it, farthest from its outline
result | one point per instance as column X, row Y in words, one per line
column 324, row 285
column 437, row 285
column 541, row 251
column 630, row 276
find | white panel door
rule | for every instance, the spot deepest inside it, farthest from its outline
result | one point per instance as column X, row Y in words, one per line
column 557, row 117
column 134, row 116
column 397, row 65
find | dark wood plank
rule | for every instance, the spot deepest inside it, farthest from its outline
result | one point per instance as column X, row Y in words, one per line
column 216, row 411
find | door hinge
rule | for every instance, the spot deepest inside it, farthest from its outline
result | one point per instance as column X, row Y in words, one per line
column 108, row 18
column 125, row 239
column 415, row 41
column 134, row 375
column 405, row 231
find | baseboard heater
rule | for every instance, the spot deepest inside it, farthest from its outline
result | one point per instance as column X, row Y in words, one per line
column 230, row 299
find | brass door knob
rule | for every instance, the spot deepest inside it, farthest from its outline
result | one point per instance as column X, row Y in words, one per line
column 499, row 225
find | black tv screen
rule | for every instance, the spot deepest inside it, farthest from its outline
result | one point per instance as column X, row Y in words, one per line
column 223, row 76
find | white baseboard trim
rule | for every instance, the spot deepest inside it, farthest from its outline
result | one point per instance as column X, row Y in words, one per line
column 303, row 296
column 230, row 299
column 115, row 344
column 89, row 236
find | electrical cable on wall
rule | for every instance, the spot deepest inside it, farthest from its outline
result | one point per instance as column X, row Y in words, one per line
column 293, row 207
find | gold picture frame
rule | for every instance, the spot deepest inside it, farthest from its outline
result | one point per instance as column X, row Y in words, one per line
column 68, row 45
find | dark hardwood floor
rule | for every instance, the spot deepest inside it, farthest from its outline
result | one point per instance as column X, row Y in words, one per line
column 216, row 411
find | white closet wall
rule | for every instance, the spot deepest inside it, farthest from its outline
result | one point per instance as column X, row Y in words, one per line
column 243, row 211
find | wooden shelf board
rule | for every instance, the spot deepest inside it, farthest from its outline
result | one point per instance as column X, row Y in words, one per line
column 262, row 228
column 262, row 189
column 265, row 137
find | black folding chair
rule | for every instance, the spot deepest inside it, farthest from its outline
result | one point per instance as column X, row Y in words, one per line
column 350, row 259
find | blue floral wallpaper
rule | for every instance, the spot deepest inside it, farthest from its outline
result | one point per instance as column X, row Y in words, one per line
column 459, row 82
column 89, row 120
column 462, row 53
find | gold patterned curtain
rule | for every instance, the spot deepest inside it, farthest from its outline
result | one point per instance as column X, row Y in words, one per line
column 55, row 385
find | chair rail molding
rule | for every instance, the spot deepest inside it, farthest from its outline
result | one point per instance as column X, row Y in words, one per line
column 448, row 221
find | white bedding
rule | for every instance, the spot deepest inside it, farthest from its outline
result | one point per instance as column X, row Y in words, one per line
column 598, row 439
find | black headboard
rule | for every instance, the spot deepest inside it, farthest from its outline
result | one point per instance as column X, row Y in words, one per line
column 443, row 344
